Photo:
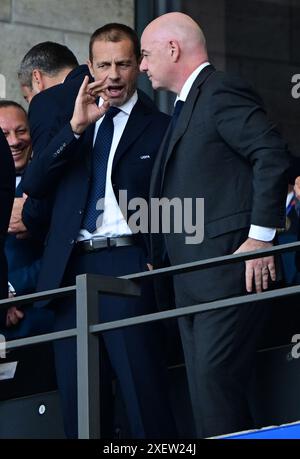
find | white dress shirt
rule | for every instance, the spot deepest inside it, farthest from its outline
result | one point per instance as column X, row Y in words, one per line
column 256, row 232
column 113, row 224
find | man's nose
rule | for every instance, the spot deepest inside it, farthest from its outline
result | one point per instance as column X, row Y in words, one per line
column 13, row 140
column 143, row 66
column 114, row 73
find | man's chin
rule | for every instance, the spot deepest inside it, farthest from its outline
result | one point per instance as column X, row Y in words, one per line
column 117, row 101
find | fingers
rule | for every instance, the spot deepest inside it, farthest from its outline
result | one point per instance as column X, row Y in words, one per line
column 249, row 276
column 23, row 235
column 82, row 89
column 97, row 88
column 13, row 316
column 258, row 272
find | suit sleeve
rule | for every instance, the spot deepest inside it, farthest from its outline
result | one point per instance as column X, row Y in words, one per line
column 49, row 164
column 242, row 123
column 24, row 279
column 36, row 216
column 52, row 140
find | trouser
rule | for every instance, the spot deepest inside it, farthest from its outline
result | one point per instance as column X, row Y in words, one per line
column 219, row 348
column 135, row 354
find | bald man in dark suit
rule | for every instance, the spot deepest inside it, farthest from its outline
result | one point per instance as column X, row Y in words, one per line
column 222, row 149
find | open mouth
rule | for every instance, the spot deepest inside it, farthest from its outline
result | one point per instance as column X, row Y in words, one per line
column 115, row 91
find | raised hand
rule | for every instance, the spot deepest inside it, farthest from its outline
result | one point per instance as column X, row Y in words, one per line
column 86, row 111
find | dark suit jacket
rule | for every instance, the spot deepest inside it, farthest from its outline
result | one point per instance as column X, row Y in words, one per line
column 223, row 149
column 48, row 112
column 7, row 190
column 64, row 168
column 50, row 109
column 23, row 257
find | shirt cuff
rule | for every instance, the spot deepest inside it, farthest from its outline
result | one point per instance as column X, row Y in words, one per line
column 260, row 233
column 11, row 289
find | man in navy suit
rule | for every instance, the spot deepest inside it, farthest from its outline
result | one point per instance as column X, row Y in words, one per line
column 7, row 188
column 23, row 254
column 66, row 166
column 45, row 65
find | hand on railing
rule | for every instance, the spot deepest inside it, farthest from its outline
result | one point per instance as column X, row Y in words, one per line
column 258, row 270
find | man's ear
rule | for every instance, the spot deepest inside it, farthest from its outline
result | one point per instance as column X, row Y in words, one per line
column 174, row 50
column 37, row 80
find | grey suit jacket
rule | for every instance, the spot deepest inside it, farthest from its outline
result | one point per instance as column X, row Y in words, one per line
column 225, row 150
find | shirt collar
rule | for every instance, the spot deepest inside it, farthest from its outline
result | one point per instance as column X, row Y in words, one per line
column 128, row 106
column 189, row 82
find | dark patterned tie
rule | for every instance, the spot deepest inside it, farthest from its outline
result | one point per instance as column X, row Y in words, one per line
column 176, row 113
column 100, row 157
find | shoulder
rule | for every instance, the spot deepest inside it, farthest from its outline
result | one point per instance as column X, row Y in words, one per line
column 43, row 102
column 59, row 94
column 222, row 82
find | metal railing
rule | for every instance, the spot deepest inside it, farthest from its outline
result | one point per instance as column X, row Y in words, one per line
column 87, row 289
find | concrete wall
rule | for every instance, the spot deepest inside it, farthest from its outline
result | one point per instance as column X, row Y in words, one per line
column 259, row 40
column 24, row 23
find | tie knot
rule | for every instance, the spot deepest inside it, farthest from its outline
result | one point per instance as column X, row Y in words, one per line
column 177, row 108
column 112, row 112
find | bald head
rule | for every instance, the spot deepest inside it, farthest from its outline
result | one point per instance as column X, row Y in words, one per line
column 177, row 26
column 178, row 42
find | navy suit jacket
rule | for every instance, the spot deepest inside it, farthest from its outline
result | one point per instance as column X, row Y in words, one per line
column 48, row 112
column 50, row 109
column 64, row 168
column 24, row 259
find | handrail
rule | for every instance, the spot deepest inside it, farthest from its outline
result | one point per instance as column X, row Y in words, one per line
column 87, row 288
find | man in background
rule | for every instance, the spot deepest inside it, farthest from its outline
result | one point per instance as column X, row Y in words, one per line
column 223, row 149
column 23, row 254
column 45, row 65
column 51, row 66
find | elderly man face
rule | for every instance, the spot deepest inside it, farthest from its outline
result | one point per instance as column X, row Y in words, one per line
column 13, row 121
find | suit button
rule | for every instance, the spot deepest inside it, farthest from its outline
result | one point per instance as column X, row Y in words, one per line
column 72, row 241
column 80, row 212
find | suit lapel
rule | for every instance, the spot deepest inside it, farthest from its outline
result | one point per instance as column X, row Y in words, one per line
column 138, row 120
column 185, row 116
